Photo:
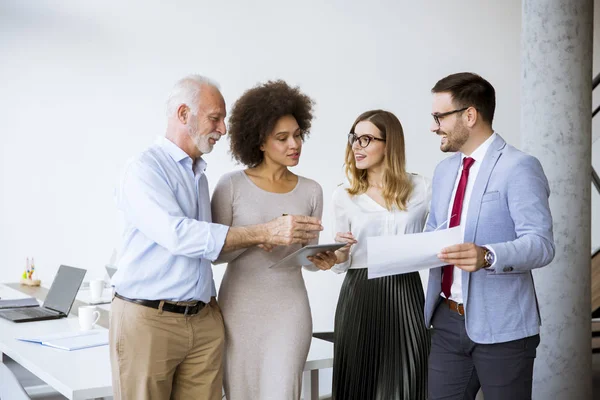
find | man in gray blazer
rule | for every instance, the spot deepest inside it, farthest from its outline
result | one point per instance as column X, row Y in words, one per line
column 482, row 307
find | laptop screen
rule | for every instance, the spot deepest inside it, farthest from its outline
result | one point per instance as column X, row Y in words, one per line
column 64, row 289
column 110, row 271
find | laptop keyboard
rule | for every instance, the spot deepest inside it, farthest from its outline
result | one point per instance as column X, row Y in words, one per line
column 34, row 312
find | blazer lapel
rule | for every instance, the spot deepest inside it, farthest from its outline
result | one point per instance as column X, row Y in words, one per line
column 483, row 177
column 485, row 171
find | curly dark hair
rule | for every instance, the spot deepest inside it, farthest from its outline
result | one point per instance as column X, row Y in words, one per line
column 255, row 113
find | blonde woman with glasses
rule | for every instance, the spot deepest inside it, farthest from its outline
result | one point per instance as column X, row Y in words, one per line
column 381, row 343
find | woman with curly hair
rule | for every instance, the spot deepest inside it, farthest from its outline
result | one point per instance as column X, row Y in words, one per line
column 268, row 324
column 381, row 344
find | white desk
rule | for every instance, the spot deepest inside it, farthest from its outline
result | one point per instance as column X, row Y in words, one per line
column 77, row 375
column 86, row 374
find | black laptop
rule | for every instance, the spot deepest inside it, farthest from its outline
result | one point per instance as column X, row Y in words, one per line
column 58, row 302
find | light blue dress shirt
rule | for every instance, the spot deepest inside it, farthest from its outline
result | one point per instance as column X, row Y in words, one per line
column 168, row 239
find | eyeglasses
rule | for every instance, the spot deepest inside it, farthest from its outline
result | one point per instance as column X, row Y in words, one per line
column 437, row 116
column 363, row 141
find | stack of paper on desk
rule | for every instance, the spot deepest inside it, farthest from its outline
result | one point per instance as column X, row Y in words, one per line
column 393, row 255
column 72, row 340
column 15, row 303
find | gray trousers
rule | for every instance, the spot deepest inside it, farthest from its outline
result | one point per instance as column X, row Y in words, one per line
column 458, row 367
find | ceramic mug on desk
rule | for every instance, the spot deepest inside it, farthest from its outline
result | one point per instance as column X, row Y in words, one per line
column 96, row 289
column 88, row 316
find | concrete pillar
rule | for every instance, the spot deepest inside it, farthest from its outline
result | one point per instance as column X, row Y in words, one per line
column 556, row 98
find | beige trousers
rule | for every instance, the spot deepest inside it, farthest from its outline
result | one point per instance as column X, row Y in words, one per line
column 156, row 354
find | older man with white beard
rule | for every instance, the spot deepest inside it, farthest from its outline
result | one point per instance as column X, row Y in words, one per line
column 166, row 329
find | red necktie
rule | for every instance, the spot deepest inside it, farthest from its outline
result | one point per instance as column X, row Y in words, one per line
column 448, row 270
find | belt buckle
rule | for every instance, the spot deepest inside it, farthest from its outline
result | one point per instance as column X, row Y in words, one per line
column 452, row 304
column 191, row 309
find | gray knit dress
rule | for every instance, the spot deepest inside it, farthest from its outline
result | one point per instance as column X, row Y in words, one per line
column 268, row 323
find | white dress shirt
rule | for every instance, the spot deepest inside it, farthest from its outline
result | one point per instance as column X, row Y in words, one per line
column 168, row 238
column 364, row 217
column 478, row 155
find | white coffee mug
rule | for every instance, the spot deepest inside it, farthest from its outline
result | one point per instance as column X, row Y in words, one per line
column 88, row 316
column 96, row 289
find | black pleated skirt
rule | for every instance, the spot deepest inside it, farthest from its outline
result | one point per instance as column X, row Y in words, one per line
column 381, row 343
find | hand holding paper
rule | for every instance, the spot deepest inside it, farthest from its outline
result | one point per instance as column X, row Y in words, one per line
column 466, row 256
column 392, row 255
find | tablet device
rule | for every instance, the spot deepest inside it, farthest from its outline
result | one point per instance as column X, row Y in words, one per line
column 298, row 258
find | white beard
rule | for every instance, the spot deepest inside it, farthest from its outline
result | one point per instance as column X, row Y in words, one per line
column 201, row 142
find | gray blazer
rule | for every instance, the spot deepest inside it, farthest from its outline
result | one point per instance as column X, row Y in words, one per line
column 509, row 211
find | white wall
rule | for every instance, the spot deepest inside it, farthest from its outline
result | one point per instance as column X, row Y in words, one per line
column 83, row 86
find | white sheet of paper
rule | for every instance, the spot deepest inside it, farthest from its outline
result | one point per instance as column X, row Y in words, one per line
column 393, row 255
column 56, row 336
column 72, row 340
column 85, row 296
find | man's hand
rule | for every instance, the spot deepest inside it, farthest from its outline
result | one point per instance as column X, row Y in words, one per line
column 281, row 231
column 323, row 261
column 291, row 229
column 467, row 256
column 266, row 247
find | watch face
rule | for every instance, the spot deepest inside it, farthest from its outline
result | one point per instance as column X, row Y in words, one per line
column 489, row 257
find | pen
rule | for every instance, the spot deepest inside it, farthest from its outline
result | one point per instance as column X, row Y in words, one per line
column 442, row 224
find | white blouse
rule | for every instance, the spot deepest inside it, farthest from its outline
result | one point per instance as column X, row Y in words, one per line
column 364, row 217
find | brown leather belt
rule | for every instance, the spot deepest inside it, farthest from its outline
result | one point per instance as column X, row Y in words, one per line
column 190, row 309
column 454, row 306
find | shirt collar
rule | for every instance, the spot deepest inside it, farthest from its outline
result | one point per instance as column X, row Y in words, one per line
column 178, row 154
column 479, row 153
column 200, row 165
column 174, row 151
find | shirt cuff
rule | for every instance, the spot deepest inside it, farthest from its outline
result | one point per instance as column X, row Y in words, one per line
column 216, row 240
column 342, row 267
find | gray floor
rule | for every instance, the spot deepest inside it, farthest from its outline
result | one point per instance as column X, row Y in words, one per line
column 27, row 379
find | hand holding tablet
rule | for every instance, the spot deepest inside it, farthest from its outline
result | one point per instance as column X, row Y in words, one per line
column 299, row 257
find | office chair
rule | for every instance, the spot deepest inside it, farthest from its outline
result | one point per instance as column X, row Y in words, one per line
column 10, row 388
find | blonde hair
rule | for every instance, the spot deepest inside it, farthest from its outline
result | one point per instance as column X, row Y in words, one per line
column 397, row 186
